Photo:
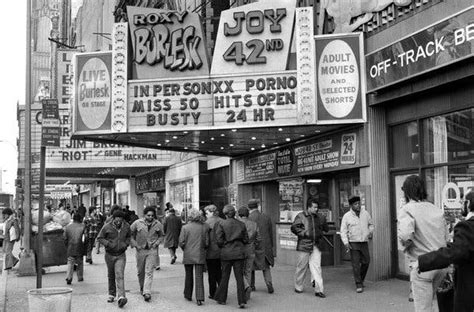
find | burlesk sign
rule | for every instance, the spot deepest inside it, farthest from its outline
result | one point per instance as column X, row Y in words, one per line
column 92, row 93
column 438, row 45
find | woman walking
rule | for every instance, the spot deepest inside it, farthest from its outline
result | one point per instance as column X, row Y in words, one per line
column 194, row 239
column 11, row 235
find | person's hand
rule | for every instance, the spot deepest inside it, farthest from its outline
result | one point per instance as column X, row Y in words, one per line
column 348, row 247
column 370, row 235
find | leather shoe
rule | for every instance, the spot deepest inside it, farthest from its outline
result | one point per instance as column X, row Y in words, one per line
column 359, row 290
column 320, row 295
column 199, row 302
column 111, row 299
column 298, row 291
column 221, row 302
column 68, row 281
column 147, row 297
column 270, row 289
column 241, row 306
column 122, row 301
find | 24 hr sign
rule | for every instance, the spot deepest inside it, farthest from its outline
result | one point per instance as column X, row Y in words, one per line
column 253, row 38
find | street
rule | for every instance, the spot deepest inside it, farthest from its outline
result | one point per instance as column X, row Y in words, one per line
column 91, row 295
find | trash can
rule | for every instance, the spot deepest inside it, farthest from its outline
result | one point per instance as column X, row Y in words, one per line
column 54, row 299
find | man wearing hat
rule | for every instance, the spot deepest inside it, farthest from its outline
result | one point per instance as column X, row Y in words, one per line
column 115, row 236
column 264, row 253
column 356, row 230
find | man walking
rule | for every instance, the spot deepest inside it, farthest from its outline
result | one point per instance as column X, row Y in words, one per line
column 91, row 224
column 213, row 256
column 254, row 240
column 73, row 237
column 115, row 236
column 356, row 229
column 309, row 226
column 231, row 236
column 146, row 236
column 264, row 254
column 172, row 228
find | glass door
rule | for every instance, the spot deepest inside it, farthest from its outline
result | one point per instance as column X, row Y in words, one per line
column 398, row 202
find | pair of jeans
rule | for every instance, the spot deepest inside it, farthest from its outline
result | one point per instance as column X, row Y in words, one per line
column 360, row 259
column 79, row 260
column 10, row 259
column 146, row 264
column 115, row 274
column 248, row 265
column 267, row 277
column 198, row 280
column 214, row 270
column 311, row 260
column 227, row 265
column 424, row 289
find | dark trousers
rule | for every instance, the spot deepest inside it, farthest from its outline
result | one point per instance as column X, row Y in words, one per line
column 227, row 265
column 360, row 259
column 199, row 280
column 214, row 271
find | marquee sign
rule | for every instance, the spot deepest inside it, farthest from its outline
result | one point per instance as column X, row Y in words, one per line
column 254, row 38
column 166, row 44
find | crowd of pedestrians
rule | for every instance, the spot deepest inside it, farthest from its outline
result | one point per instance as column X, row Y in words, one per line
column 242, row 242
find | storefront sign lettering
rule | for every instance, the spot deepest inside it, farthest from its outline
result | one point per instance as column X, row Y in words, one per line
column 307, row 158
column 443, row 43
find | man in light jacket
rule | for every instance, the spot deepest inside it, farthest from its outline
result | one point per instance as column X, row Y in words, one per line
column 146, row 235
column 356, row 230
column 421, row 229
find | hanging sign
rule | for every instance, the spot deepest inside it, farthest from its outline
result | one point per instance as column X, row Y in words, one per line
column 340, row 79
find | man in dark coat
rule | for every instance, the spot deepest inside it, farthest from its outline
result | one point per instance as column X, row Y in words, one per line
column 213, row 257
column 264, row 253
column 461, row 253
column 116, row 236
column 309, row 226
column 73, row 237
column 172, row 228
column 232, row 237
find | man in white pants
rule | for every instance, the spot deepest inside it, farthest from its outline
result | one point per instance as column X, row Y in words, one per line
column 309, row 226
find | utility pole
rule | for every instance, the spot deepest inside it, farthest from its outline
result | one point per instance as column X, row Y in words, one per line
column 27, row 258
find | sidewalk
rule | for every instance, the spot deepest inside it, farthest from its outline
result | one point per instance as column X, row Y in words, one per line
column 91, row 295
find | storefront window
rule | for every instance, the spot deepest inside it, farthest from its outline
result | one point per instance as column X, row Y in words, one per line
column 181, row 196
column 405, row 145
column 291, row 199
column 449, row 137
column 447, row 186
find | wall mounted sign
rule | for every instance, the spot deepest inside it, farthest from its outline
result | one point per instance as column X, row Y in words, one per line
column 166, row 44
column 50, row 125
column 92, row 92
column 340, row 79
column 84, row 154
column 254, row 38
column 63, row 80
column 150, row 182
column 334, row 152
column 438, row 45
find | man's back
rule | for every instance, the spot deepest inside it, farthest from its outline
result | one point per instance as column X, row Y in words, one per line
column 424, row 224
